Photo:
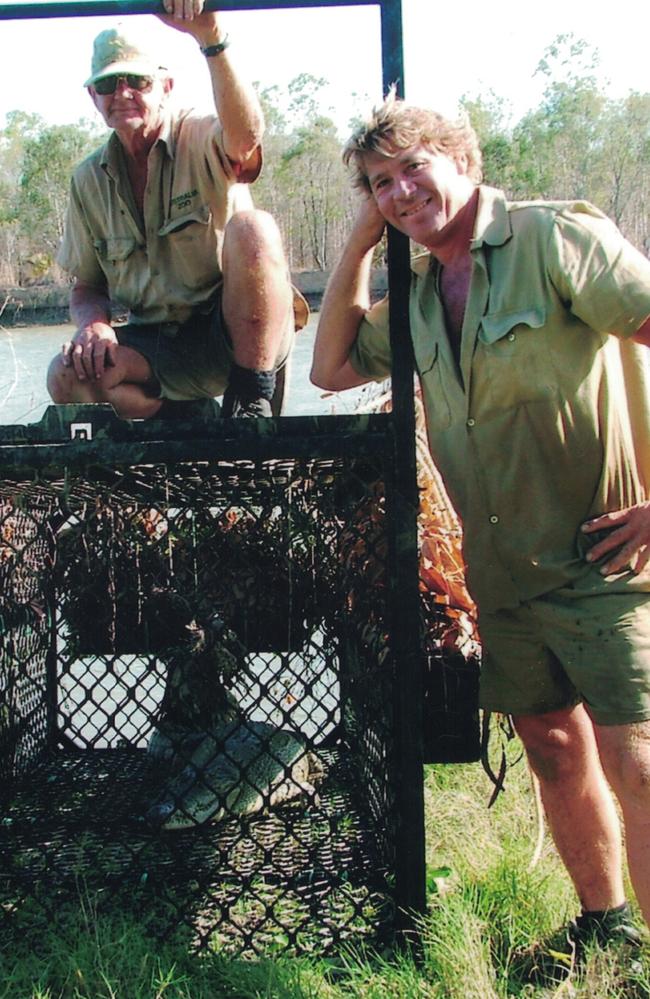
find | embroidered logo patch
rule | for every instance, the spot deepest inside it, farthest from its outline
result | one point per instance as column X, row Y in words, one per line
column 184, row 200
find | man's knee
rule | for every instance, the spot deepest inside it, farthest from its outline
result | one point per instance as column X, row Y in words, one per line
column 64, row 386
column 560, row 744
column 625, row 754
column 60, row 381
column 253, row 239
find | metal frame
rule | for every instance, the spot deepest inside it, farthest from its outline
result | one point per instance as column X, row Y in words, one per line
column 403, row 493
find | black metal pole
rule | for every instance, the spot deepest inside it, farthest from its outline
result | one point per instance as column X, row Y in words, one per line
column 94, row 8
column 402, row 498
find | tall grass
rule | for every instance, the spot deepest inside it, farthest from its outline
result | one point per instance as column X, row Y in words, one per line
column 486, row 904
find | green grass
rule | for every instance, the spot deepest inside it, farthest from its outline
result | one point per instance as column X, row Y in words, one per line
column 485, row 903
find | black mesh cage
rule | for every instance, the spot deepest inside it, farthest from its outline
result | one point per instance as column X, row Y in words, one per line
column 212, row 673
column 197, row 679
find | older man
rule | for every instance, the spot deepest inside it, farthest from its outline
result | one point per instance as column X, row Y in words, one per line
column 153, row 225
column 527, row 323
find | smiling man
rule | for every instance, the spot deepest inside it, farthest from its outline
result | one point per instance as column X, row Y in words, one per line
column 160, row 223
column 530, row 326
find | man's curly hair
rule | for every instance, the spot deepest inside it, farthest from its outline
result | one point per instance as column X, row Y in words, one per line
column 395, row 126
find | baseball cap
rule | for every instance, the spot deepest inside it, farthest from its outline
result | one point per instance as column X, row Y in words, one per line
column 117, row 52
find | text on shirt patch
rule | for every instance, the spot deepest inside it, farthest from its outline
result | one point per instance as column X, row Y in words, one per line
column 184, row 200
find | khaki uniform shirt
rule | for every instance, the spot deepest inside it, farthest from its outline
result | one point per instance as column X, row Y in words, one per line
column 545, row 422
column 167, row 265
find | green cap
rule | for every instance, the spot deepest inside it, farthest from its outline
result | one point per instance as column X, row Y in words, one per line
column 117, row 52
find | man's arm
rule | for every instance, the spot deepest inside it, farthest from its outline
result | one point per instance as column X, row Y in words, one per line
column 236, row 102
column 627, row 541
column 345, row 303
column 92, row 347
column 642, row 335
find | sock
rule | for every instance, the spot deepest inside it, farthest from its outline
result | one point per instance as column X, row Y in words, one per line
column 251, row 383
column 600, row 914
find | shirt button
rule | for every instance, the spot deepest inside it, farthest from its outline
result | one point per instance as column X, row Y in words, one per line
column 494, row 519
column 471, row 421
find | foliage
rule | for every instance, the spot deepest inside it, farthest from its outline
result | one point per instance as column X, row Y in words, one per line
column 36, row 161
column 47, row 162
column 577, row 143
column 304, row 184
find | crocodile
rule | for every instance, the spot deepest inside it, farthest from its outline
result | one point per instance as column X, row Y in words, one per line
column 218, row 763
column 237, row 768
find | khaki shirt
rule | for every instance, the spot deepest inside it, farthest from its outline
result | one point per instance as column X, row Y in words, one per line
column 546, row 420
column 167, row 265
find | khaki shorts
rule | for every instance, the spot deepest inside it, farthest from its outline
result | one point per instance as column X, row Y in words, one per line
column 566, row 647
column 192, row 360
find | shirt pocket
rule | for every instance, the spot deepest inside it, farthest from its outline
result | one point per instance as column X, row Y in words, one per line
column 514, row 363
column 198, row 216
column 118, row 258
column 115, row 249
column 502, row 330
column 426, row 355
column 192, row 248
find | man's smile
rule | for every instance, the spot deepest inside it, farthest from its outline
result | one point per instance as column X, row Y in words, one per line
column 414, row 209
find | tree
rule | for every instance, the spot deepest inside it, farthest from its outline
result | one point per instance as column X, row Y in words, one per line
column 304, row 184
column 625, row 165
column 313, row 171
column 559, row 144
column 37, row 161
column 489, row 115
column 576, row 145
column 47, row 164
column 19, row 128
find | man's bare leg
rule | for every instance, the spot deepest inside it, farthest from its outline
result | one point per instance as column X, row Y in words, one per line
column 625, row 754
column 128, row 385
column 257, row 298
column 563, row 753
column 257, row 303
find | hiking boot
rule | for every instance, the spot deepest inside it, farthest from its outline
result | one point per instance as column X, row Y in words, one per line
column 612, row 926
column 563, row 954
column 234, row 406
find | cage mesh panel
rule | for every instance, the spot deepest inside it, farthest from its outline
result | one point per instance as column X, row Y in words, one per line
column 367, row 680
column 451, row 678
column 290, row 867
column 25, row 555
column 139, row 563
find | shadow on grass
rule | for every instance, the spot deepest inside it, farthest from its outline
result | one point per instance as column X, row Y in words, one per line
column 90, row 949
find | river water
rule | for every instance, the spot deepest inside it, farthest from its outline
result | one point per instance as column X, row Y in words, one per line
column 25, row 354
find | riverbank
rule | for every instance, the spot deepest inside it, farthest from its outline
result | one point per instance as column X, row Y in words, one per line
column 42, row 305
column 47, row 305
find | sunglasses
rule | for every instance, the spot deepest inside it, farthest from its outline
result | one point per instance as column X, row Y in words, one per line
column 108, row 84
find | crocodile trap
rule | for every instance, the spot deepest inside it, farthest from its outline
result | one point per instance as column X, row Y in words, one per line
column 160, row 582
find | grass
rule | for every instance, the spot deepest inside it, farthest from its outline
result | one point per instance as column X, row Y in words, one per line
column 485, row 903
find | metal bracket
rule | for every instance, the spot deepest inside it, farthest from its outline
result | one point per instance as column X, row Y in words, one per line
column 81, row 431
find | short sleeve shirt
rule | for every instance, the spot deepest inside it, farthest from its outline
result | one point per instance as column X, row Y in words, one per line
column 544, row 421
column 166, row 265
